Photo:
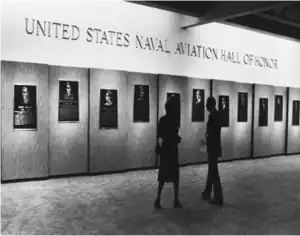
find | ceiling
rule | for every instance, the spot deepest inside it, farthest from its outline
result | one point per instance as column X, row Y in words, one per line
column 283, row 21
column 276, row 17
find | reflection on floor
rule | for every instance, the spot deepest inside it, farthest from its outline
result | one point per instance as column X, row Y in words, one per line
column 261, row 197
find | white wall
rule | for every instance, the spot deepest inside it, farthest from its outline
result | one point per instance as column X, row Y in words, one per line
column 134, row 20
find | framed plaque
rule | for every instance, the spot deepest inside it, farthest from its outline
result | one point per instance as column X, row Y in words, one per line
column 108, row 109
column 198, row 105
column 25, row 108
column 224, row 110
column 278, row 108
column 68, row 108
column 242, row 107
column 296, row 113
column 178, row 108
column 263, row 112
column 141, row 109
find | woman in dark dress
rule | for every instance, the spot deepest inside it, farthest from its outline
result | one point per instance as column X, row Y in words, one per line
column 168, row 140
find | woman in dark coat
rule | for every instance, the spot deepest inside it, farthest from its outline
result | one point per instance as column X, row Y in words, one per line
column 168, row 139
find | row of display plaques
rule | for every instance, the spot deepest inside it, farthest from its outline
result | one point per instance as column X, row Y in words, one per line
column 25, row 107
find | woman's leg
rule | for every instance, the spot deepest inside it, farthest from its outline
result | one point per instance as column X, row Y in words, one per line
column 176, row 191
column 177, row 203
column 159, row 190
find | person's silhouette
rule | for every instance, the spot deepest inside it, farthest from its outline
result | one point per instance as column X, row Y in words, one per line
column 214, row 152
column 168, row 140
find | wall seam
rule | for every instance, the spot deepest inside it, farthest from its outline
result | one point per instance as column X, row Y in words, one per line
column 89, row 120
column 287, row 120
column 157, row 116
column 1, row 89
column 49, row 82
column 252, row 121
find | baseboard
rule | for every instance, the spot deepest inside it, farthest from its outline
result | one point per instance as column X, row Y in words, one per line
column 269, row 156
column 68, row 175
column 292, row 153
column 221, row 160
column 193, row 163
column 136, row 169
column 24, row 180
column 122, row 171
column 72, row 175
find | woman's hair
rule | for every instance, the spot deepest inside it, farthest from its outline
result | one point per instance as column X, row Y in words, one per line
column 211, row 102
column 169, row 106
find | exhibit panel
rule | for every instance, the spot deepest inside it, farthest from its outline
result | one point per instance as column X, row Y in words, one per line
column 108, row 120
column 278, row 106
column 182, row 87
column 142, row 120
column 269, row 135
column 68, row 120
column 293, row 143
column 197, row 90
column 25, row 120
column 234, row 103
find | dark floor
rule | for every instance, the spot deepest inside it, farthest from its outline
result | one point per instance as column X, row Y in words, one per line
column 261, row 197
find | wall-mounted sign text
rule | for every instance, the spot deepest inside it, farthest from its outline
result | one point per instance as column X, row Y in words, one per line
column 63, row 31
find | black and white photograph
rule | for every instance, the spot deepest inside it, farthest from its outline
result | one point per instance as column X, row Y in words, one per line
column 198, row 105
column 68, row 110
column 278, row 112
column 296, row 113
column 242, row 107
column 25, row 107
column 263, row 112
column 141, row 106
column 178, row 107
column 224, row 110
column 108, row 109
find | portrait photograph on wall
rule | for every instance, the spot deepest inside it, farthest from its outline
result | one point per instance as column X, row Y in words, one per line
column 224, row 110
column 242, row 107
column 141, row 105
column 25, row 108
column 278, row 116
column 263, row 112
column 178, row 108
column 68, row 108
column 198, row 106
column 296, row 113
column 108, row 109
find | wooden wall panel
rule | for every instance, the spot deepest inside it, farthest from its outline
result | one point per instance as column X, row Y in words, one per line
column 269, row 140
column 141, row 137
column 293, row 144
column 236, row 139
column 25, row 153
column 191, row 133
column 68, row 142
column 108, row 147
